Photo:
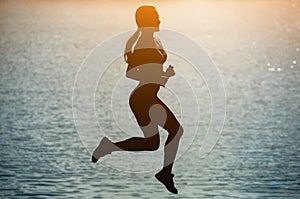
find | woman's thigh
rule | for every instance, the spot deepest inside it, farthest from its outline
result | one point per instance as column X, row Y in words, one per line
column 151, row 113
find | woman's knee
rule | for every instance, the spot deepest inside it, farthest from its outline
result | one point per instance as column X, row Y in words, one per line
column 175, row 133
column 153, row 142
column 180, row 131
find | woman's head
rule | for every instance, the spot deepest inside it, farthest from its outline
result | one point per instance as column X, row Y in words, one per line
column 147, row 16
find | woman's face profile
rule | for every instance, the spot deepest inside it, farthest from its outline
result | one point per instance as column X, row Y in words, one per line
column 156, row 20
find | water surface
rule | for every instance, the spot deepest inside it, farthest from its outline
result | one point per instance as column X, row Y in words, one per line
column 256, row 47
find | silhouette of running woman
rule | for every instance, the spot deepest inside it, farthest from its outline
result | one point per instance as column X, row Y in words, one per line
column 145, row 57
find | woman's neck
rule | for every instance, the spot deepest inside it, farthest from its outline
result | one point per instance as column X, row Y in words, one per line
column 146, row 39
column 147, row 34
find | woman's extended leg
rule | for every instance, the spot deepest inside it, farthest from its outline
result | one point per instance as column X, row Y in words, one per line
column 175, row 131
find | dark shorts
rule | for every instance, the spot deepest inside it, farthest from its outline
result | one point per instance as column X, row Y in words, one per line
column 146, row 106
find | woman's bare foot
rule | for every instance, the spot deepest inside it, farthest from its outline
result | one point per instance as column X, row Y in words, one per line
column 105, row 147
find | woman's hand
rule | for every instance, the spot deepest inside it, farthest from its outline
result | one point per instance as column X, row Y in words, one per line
column 170, row 71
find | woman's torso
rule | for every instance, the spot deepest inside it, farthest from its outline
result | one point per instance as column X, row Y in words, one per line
column 152, row 57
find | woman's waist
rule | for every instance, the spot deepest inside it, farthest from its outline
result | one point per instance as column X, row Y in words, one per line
column 146, row 89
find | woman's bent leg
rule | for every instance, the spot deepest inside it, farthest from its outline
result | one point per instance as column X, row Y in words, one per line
column 149, row 143
column 139, row 144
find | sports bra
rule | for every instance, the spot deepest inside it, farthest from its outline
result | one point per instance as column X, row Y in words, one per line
column 146, row 56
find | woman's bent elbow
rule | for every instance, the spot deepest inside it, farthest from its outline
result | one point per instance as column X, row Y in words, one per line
column 131, row 76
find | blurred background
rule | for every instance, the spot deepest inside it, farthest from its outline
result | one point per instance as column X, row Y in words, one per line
column 256, row 46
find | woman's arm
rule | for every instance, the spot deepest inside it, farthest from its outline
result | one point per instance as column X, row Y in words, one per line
column 133, row 74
